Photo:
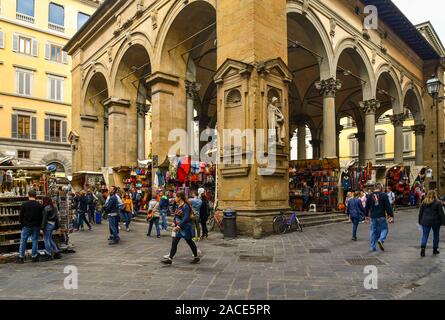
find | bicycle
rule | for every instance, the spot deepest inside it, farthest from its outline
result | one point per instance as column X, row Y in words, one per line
column 282, row 225
column 215, row 219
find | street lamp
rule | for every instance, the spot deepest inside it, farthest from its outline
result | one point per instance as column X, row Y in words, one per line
column 433, row 87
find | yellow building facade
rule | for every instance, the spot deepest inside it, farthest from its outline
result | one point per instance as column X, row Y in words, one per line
column 35, row 78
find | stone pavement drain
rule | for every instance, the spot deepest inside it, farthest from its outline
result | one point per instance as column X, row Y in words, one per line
column 365, row 262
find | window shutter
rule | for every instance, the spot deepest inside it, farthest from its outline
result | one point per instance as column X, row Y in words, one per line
column 64, row 131
column 64, row 57
column 2, row 40
column 47, row 51
column 15, row 43
column 14, row 125
column 33, row 128
column 35, row 48
column 28, row 84
column 47, row 130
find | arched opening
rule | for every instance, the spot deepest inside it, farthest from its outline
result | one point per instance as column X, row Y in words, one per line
column 133, row 69
column 189, row 52
column 308, row 62
column 415, row 128
column 93, row 141
column 58, row 169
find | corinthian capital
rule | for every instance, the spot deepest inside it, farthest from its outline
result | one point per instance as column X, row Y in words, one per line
column 397, row 120
column 328, row 87
column 192, row 89
column 370, row 106
column 142, row 109
column 419, row 129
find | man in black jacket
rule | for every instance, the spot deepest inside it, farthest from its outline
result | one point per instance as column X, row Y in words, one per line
column 377, row 207
column 31, row 215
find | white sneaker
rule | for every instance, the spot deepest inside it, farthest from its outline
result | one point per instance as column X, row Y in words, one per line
column 128, row 229
column 199, row 254
column 167, row 256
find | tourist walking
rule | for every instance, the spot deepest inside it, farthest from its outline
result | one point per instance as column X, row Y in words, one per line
column 31, row 215
column 82, row 210
column 377, row 207
column 306, row 194
column 182, row 229
column 112, row 209
column 196, row 207
column 431, row 216
column 391, row 197
column 127, row 211
column 91, row 201
column 153, row 217
column 349, row 197
column 355, row 212
column 163, row 204
column 50, row 223
column 204, row 216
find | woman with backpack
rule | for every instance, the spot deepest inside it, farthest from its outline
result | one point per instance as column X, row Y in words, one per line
column 182, row 229
column 431, row 216
column 153, row 217
column 50, row 222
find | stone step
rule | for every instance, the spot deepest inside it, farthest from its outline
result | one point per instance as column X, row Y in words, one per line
column 325, row 217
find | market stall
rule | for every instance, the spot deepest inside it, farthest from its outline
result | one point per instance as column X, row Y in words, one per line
column 319, row 179
column 361, row 178
column 82, row 180
column 398, row 179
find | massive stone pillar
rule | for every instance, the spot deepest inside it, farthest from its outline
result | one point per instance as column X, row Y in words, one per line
column 168, row 114
column 142, row 110
column 301, row 136
column 117, row 138
column 328, row 89
column 419, row 131
column 397, row 121
column 369, row 108
column 252, row 89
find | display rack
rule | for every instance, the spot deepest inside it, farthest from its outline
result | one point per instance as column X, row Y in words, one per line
column 10, row 229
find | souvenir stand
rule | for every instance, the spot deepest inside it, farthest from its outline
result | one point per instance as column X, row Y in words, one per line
column 183, row 174
column 398, row 178
column 355, row 177
column 140, row 178
column 321, row 176
column 85, row 179
column 16, row 181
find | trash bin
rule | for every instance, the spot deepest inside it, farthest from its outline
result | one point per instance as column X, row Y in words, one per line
column 230, row 230
column 98, row 217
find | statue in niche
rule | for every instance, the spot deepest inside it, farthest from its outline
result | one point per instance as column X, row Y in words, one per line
column 276, row 121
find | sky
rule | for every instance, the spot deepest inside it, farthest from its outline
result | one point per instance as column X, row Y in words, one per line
column 419, row 11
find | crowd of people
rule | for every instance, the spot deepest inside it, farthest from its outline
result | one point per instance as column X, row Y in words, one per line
column 377, row 208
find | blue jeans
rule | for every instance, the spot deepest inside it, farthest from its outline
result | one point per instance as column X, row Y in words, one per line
column 355, row 223
column 127, row 218
column 91, row 213
column 114, row 227
column 164, row 219
column 426, row 235
column 379, row 231
column 34, row 234
column 154, row 221
column 50, row 245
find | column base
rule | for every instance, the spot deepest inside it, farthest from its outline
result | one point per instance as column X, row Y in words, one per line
column 247, row 222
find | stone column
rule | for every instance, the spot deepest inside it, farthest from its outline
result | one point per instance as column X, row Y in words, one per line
column 397, row 121
column 117, row 140
column 339, row 131
column 360, row 136
column 142, row 110
column 328, row 89
column 301, row 134
column 316, row 145
column 369, row 108
column 106, row 139
column 191, row 89
column 419, row 131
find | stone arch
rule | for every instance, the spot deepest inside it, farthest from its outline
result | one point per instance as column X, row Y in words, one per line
column 363, row 64
column 97, row 67
column 134, row 39
column 324, row 43
column 58, row 158
column 162, row 39
column 388, row 74
column 413, row 101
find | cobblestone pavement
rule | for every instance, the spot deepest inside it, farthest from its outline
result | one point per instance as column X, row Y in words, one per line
column 309, row 265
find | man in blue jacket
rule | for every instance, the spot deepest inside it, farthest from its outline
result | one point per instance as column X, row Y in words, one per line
column 112, row 209
column 377, row 207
